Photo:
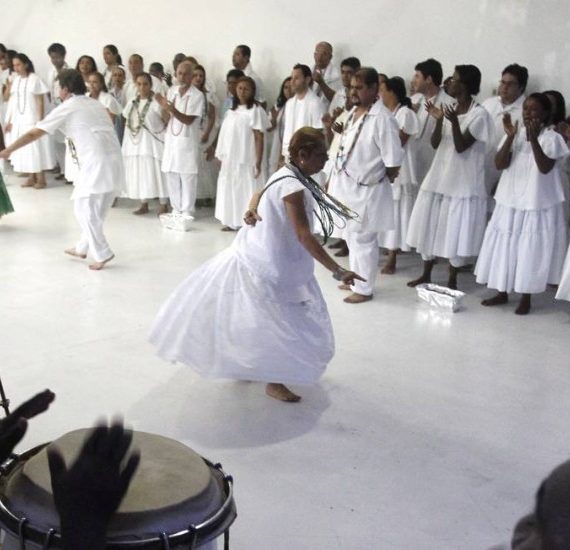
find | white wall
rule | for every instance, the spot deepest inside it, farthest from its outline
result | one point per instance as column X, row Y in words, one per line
column 390, row 35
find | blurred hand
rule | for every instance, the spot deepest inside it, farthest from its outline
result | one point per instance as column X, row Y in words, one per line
column 90, row 491
column 14, row 426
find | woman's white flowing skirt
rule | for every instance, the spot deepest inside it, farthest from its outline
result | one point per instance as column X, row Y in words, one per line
column 236, row 185
column 446, row 226
column 523, row 250
column 143, row 178
column 403, row 206
column 225, row 322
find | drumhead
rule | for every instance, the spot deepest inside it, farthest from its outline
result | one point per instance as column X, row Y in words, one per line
column 172, row 488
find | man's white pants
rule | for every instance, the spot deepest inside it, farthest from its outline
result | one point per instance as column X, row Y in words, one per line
column 90, row 212
column 363, row 259
column 182, row 189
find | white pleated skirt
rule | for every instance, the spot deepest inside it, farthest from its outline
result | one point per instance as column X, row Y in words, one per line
column 564, row 286
column 143, row 178
column 34, row 157
column 226, row 322
column 403, row 206
column 207, row 176
column 447, row 227
column 523, row 250
column 236, row 185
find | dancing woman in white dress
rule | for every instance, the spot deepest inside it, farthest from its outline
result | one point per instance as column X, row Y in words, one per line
column 255, row 311
column 525, row 241
column 143, row 147
column 450, row 213
column 240, row 149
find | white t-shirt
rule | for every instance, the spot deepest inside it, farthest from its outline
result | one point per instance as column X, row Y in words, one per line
column 308, row 111
column 182, row 141
column 248, row 71
column 497, row 109
column 462, row 175
column 409, row 124
column 332, row 79
column 86, row 122
column 130, row 88
column 421, row 145
column 338, row 100
column 110, row 103
column 236, row 143
column 53, row 85
column 522, row 185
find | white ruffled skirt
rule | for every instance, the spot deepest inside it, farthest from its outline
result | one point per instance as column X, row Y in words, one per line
column 564, row 287
column 143, row 178
column 226, row 322
column 447, row 227
column 236, row 185
column 403, row 207
column 523, row 250
column 34, row 157
column 207, row 175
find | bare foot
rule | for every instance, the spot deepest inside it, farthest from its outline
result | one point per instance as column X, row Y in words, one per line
column 497, row 300
column 524, row 305
column 344, row 286
column 419, row 281
column 227, row 228
column 30, row 182
column 452, row 279
column 162, row 209
column 142, row 209
column 98, row 266
column 282, row 393
column 390, row 266
column 74, row 253
column 356, row 298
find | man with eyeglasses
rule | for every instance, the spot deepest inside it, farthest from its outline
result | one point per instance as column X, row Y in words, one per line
column 509, row 100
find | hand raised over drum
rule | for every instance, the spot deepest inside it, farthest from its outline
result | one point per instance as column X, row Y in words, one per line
column 88, row 493
column 14, row 426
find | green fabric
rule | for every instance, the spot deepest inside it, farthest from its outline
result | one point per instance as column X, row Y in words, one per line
column 5, row 202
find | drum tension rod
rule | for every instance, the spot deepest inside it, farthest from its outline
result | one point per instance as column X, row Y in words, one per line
column 165, row 541
column 47, row 541
column 21, row 534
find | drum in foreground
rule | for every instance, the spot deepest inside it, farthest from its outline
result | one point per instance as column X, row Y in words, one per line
column 176, row 498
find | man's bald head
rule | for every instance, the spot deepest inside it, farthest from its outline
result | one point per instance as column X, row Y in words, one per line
column 323, row 55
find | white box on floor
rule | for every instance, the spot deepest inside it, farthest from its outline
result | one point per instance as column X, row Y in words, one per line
column 176, row 221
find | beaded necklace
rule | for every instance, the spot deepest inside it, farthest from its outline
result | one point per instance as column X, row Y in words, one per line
column 332, row 213
column 183, row 110
column 141, row 115
column 72, row 150
column 22, row 111
column 342, row 158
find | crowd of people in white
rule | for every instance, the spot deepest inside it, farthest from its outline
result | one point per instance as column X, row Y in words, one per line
column 423, row 164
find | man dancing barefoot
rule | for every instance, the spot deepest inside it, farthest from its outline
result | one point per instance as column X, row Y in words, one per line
column 96, row 150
